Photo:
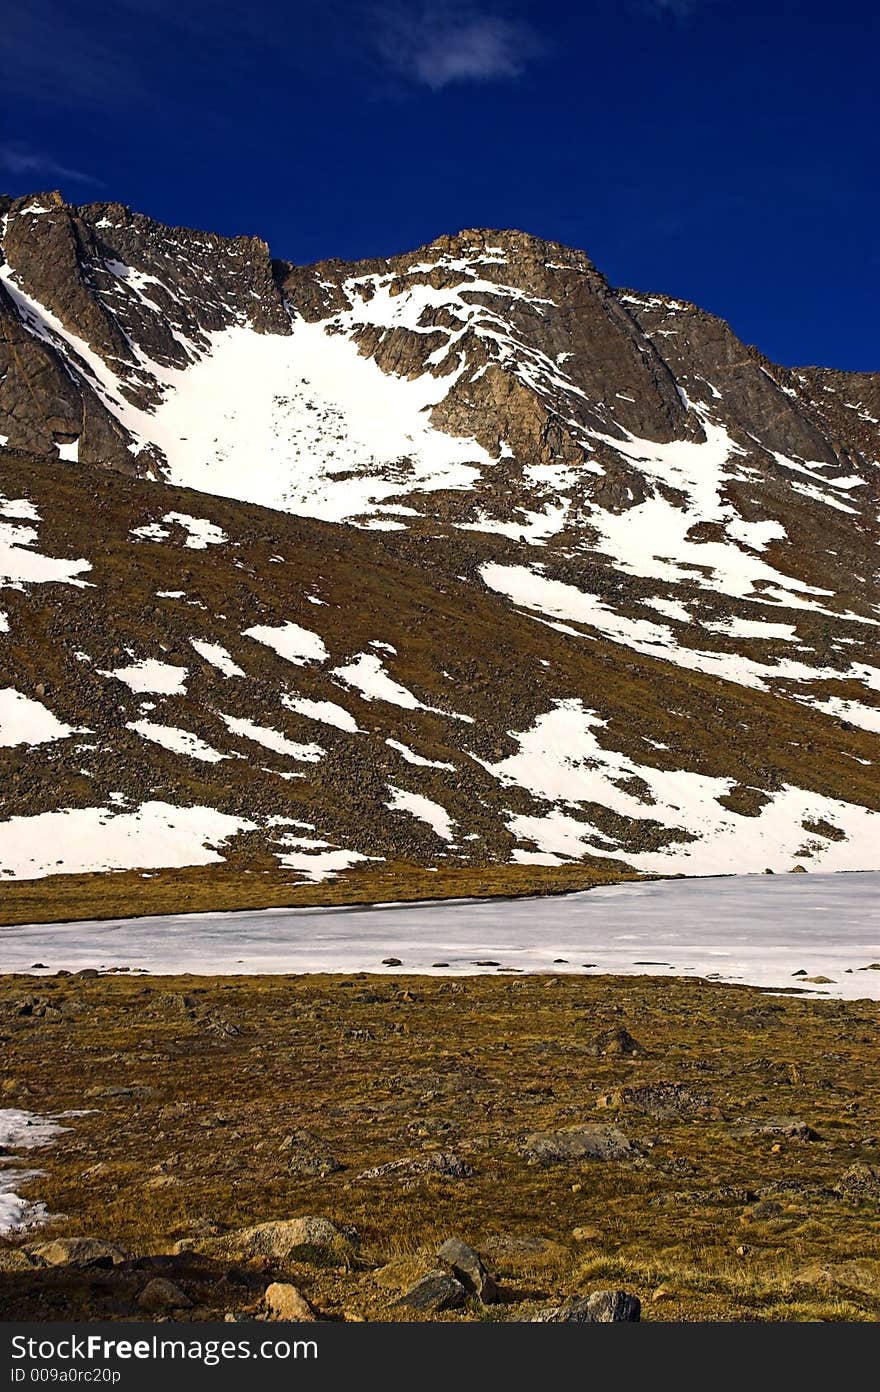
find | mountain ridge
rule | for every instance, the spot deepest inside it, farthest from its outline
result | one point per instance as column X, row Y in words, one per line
column 483, row 555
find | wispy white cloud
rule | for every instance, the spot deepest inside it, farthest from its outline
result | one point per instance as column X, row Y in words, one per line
column 439, row 44
column 21, row 159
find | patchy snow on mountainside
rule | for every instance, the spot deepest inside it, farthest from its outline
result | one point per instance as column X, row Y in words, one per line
column 316, row 860
column 312, row 410
column 290, row 641
column 23, row 721
column 218, row 657
column 76, row 840
column 272, row 739
column 326, row 712
column 624, row 569
column 200, row 532
column 412, row 758
column 20, row 564
column 177, row 741
column 436, row 817
column 22, row 1131
column 151, row 675
column 536, row 592
column 561, row 760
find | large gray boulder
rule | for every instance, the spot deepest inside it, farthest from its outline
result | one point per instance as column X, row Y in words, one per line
column 575, row 1143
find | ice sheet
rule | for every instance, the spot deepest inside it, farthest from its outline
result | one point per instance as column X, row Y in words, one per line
column 758, row 929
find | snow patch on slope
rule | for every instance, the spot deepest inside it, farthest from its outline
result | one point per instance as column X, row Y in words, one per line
column 24, row 721
column 79, row 840
column 537, row 592
column 217, row 656
column 424, row 809
column 290, row 641
column 272, row 739
column 20, row 1130
column 20, row 565
column 561, row 760
column 151, row 675
column 177, row 741
column 327, row 712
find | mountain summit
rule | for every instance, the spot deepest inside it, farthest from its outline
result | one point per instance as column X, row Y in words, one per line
column 460, row 557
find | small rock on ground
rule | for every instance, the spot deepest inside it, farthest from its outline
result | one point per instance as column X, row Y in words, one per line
column 79, row 1252
column 469, row 1268
column 602, row 1307
column 435, row 1291
column 161, row 1294
column 285, row 1302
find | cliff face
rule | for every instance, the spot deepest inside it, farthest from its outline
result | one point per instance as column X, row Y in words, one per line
column 580, row 575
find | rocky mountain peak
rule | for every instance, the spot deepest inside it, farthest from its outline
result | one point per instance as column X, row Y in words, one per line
column 607, row 575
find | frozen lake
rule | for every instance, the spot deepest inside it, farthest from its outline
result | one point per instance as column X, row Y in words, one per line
column 759, row 929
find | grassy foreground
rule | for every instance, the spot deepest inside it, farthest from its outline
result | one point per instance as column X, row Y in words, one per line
column 751, row 1190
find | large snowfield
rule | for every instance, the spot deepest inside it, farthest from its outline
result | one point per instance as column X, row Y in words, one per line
column 760, row 929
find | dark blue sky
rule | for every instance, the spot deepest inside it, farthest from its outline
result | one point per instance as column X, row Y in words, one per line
column 721, row 150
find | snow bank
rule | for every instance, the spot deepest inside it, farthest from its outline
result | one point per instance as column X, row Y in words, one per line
column 151, row 675
column 290, row 641
column 23, row 721
column 77, row 840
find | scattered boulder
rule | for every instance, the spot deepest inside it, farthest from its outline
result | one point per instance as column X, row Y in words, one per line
column 666, row 1101
column 602, row 1307
column 309, row 1156
column 858, row 1274
column 391, row 962
column 860, row 1181
column 160, row 1295
column 285, row 1302
column 616, row 1041
column 444, row 1163
column 575, row 1143
column 784, row 1127
column 79, row 1252
column 307, row 1239
column 435, row 1291
column 583, row 1234
column 468, row 1267
column 761, row 1211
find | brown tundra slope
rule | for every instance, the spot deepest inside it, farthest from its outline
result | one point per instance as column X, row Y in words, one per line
column 457, row 568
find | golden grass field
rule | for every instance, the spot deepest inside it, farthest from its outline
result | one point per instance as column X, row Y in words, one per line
column 192, row 1085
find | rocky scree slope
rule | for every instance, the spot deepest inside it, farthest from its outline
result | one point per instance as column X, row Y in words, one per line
column 486, row 561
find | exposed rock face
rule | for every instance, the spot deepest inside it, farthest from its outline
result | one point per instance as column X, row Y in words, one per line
column 581, row 576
